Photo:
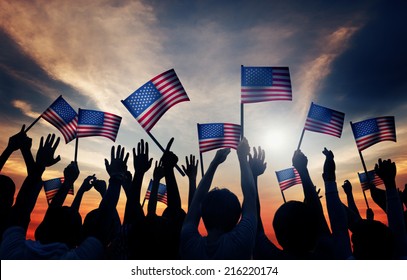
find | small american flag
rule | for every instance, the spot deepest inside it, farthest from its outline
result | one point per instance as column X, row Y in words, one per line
column 61, row 115
column 262, row 84
column 150, row 102
column 287, row 178
column 372, row 131
column 162, row 192
column 97, row 123
column 324, row 120
column 218, row 135
column 51, row 187
column 374, row 179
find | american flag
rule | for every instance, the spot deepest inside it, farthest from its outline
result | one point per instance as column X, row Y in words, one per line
column 51, row 187
column 97, row 123
column 372, row 131
column 162, row 192
column 61, row 115
column 287, row 178
column 218, row 135
column 324, row 120
column 148, row 103
column 262, row 84
column 374, row 179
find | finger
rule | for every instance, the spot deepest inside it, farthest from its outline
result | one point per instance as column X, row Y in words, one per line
column 126, row 158
column 138, row 148
column 22, row 129
column 47, row 140
column 169, row 144
column 56, row 144
column 118, row 151
column 254, row 152
column 42, row 142
column 112, row 152
column 146, row 150
column 142, row 146
column 186, row 160
column 183, row 168
column 55, row 160
column 134, row 152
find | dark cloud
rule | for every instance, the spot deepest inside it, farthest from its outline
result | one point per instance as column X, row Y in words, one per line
column 21, row 78
column 370, row 78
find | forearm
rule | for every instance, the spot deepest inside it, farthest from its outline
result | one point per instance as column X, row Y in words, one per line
column 174, row 199
column 395, row 217
column 338, row 219
column 352, row 204
column 192, row 189
column 60, row 196
column 152, row 201
column 133, row 210
column 4, row 157
column 78, row 199
column 193, row 214
column 248, row 187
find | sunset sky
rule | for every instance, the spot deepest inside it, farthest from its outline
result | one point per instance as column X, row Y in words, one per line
column 346, row 55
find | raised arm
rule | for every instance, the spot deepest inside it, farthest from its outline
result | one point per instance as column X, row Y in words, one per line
column 194, row 212
column 311, row 197
column 157, row 176
column 336, row 211
column 191, row 170
column 86, row 186
column 169, row 161
column 249, row 205
column 387, row 170
column 347, row 188
column 71, row 173
column 28, row 194
column 258, row 166
column 16, row 142
column 142, row 163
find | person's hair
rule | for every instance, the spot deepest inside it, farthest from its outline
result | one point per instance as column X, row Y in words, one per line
column 60, row 224
column 7, row 190
column 372, row 240
column 220, row 209
column 296, row 227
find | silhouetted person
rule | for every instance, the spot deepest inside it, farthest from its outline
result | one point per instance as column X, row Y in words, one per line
column 191, row 170
column 228, row 237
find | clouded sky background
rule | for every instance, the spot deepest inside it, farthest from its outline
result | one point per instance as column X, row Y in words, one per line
column 348, row 55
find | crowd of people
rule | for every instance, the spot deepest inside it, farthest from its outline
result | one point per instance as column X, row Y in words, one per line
column 234, row 229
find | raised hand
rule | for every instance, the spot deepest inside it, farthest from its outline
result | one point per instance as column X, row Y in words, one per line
column 329, row 166
column 169, row 159
column 243, row 149
column 71, row 172
column 19, row 140
column 46, row 152
column 100, row 186
column 191, row 168
column 386, row 170
column 117, row 167
column 257, row 164
column 88, row 183
column 347, row 187
column 300, row 161
column 141, row 160
column 159, row 172
column 221, row 155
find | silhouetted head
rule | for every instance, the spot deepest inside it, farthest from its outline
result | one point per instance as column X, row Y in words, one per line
column 7, row 190
column 60, row 224
column 372, row 240
column 103, row 230
column 220, row 210
column 296, row 228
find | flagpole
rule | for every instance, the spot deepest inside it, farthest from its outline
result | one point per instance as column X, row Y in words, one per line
column 163, row 150
column 32, row 124
column 365, row 169
column 241, row 108
column 242, row 120
column 202, row 166
column 76, row 149
column 282, row 193
column 302, row 136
